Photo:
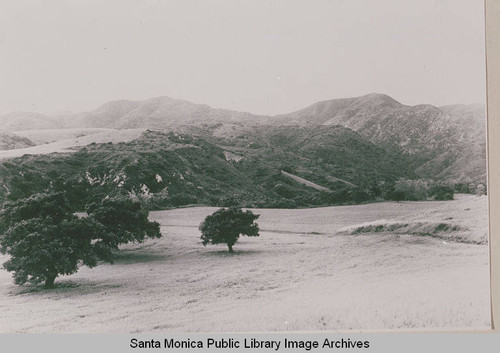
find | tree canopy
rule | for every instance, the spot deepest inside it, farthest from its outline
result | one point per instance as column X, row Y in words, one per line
column 123, row 221
column 226, row 225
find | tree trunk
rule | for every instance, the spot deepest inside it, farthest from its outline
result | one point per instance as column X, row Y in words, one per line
column 49, row 281
column 230, row 246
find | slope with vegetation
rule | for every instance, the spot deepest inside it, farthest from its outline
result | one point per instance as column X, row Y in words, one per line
column 9, row 141
column 355, row 147
column 446, row 143
column 169, row 169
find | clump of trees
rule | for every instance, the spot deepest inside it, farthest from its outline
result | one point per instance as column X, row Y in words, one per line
column 470, row 188
column 441, row 192
column 420, row 189
column 45, row 239
column 226, row 225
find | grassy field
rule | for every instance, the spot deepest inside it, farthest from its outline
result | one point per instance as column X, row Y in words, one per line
column 309, row 270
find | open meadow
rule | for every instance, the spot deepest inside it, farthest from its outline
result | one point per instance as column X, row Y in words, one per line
column 379, row 266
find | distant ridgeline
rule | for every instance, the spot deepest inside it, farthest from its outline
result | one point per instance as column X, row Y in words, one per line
column 335, row 152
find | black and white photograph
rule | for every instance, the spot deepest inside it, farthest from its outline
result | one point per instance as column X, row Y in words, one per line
column 243, row 166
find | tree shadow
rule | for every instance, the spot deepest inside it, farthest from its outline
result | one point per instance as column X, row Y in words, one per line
column 133, row 247
column 226, row 253
column 131, row 257
column 32, row 288
column 64, row 288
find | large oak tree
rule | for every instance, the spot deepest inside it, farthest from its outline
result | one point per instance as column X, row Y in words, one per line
column 45, row 239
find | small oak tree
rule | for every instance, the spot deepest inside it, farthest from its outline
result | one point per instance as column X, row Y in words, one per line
column 226, row 225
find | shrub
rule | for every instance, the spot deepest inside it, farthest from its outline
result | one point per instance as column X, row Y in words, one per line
column 441, row 192
column 182, row 199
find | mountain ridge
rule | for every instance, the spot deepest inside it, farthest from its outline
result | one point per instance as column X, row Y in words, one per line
column 446, row 143
column 118, row 109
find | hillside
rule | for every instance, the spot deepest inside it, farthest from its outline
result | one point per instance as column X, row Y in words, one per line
column 10, row 141
column 160, row 112
column 71, row 144
column 28, row 120
column 443, row 143
column 342, row 111
column 446, row 143
column 167, row 169
column 41, row 136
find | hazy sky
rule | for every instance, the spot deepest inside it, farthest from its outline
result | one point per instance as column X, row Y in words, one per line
column 264, row 57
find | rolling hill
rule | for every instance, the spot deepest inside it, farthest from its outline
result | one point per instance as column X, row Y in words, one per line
column 169, row 169
column 28, row 120
column 446, row 143
column 41, row 136
column 10, row 141
column 160, row 112
column 70, row 145
column 443, row 143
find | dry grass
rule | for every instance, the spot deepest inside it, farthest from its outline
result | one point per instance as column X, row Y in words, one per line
column 467, row 224
column 300, row 274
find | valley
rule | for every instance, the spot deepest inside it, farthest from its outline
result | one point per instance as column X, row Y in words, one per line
column 334, row 254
